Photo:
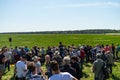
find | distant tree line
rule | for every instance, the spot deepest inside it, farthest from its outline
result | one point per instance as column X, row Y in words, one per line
column 89, row 31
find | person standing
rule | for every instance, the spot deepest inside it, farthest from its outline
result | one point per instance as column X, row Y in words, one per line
column 76, row 66
column 82, row 56
column 47, row 64
column 26, row 49
column 2, row 63
column 113, row 50
column 97, row 68
column 66, row 66
column 21, row 68
column 42, row 51
column 8, row 55
column 61, row 48
column 38, row 64
column 117, row 51
column 107, row 48
column 109, row 57
column 49, row 52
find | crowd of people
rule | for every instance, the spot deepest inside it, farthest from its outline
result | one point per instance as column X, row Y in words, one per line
column 61, row 62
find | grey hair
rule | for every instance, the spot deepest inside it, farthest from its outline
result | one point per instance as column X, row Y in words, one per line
column 66, row 60
column 98, row 55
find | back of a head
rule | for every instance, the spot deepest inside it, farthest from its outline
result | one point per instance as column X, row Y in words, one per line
column 66, row 60
column 98, row 55
column 60, row 42
column 57, row 53
column 57, row 58
column 74, row 58
column 54, row 65
column 31, row 66
column 36, row 58
column 24, row 57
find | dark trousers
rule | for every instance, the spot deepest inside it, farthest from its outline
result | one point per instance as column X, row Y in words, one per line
column 16, row 78
column 87, row 57
column 96, row 78
column 117, row 54
column 113, row 52
column 7, row 64
column 82, row 62
column 109, row 67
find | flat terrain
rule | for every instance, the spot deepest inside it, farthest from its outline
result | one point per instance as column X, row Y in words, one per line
column 67, row 39
column 53, row 39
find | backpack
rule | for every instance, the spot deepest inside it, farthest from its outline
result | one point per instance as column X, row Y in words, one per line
column 106, row 72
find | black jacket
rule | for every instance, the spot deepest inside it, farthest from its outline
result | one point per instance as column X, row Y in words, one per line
column 67, row 68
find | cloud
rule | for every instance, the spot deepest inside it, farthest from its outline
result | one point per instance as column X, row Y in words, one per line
column 80, row 5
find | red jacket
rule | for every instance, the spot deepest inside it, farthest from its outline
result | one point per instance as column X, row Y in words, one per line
column 82, row 54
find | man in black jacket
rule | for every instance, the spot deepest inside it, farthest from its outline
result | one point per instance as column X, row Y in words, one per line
column 66, row 66
column 75, row 65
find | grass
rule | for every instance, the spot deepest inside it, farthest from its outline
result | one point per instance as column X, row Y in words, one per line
column 54, row 39
column 8, row 74
column 67, row 39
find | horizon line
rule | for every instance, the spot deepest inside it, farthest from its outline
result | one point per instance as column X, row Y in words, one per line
column 54, row 31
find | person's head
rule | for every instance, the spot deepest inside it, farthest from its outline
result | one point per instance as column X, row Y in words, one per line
column 24, row 58
column 66, row 60
column 81, row 47
column 108, row 52
column 112, row 44
column 31, row 67
column 35, row 58
column 16, row 47
column 29, row 53
column 47, row 58
column 42, row 47
column 57, row 53
column 54, row 66
column 5, row 49
column 60, row 43
column 57, row 49
column 98, row 55
column 49, row 48
column 22, row 48
column 74, row 59
column 107, row 45
column 25, row 46
column 57, row 58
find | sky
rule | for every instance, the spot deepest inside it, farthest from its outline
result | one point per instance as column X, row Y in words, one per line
column 58, row 15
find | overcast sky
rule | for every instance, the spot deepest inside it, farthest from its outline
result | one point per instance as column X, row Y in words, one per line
column 52, row 15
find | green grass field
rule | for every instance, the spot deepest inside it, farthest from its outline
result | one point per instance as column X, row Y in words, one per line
column 67, row 39
column 53, row 39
